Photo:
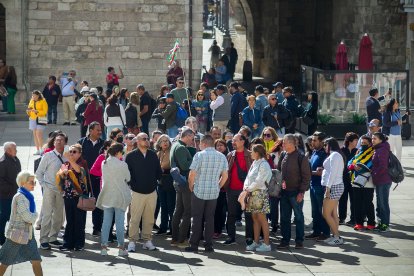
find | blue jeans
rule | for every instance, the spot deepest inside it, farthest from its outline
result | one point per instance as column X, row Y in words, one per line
column 172, row 131
column 167, row 203
column 383, row 194
column 145, row 126
column 287, row 204
column 319, row 223
column 107, row 222
column 5, row 210
column 52, row 114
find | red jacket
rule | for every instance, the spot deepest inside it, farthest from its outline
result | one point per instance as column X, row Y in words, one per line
column 92, row 114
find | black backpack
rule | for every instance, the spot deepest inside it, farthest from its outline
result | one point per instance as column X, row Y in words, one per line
column 395, row 169
column 153, row 105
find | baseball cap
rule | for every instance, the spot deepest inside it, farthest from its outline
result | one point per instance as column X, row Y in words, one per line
column 278, row 84
column 169, row 96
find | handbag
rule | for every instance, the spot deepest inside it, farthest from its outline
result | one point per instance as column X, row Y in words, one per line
column 87, row 203
column 40, row 120
column 3, row 91
column 362, row 179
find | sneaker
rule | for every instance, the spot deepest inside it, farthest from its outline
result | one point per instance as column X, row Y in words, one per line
column 169, row 233
column 329, row 239
column 264, row 248
column 370, row 227
column 274, row 229
column 64, row 248
column 36, row 152
column 382, row 228
column 312, row 236
column 336, row 241
column 56, row 243
column 229, row 242
column 96, row 233
column 191, row 249
column 239, row 223
column 299, row 245
column 131, row 246
column 283, row 245
column 350, row 223
column 252, row 246
column 249, row 241
column 66, row 123
column 209, row 249
column 322, row 237
column 104, row 252
column 183, row 244
column 45, row 246
column 174, row 243
column 155, row 227
column 122, row 253
column 79, row 248
column 148, row 246
column 359, row 227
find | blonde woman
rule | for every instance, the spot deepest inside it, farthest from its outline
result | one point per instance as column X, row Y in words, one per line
column 269, row 137
column 23, row 216
column 37, row 111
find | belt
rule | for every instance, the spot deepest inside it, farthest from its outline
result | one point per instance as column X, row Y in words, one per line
column 68, row 96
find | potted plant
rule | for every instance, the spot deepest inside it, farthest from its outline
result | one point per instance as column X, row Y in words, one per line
column 359, row 124
column 324, row 119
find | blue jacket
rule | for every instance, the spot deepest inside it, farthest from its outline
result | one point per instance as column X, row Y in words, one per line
column 251, row 117
column 293, row 105
column 390, row 123
column 238, row 103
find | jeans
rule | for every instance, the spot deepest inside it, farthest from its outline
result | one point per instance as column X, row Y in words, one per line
column 182, row 215
column 220, row 213
column 274, row 211
column 287, row 204
column 167, row 203
column 233, row 207
column 145, row 126
column 107, row 222
column 202, row 210
column 52, row 114
column 97, row 214
column 172, row 132
column 383, row 194
column 343, row 202
column 319, row 223
column 364, row 207
column 5, row 211
column 75, row 224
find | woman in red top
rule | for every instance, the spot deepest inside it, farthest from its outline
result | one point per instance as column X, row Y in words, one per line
column 94, row 111
column 112, row 79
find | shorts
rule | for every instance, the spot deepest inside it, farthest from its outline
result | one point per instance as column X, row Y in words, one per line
column 336, row 191
column 33, row 125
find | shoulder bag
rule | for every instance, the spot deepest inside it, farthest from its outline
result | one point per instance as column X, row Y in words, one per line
column 40, row 120
column 87, row 203
column 240, row 173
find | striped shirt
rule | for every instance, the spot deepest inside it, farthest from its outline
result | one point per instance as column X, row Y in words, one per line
column 208, row 165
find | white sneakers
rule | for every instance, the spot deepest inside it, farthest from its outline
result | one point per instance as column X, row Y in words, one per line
column 121, row 252
column 334, row 240
column 131, row 246
column 148, row 246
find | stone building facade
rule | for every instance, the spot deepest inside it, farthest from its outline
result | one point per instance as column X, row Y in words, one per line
column 45, row 37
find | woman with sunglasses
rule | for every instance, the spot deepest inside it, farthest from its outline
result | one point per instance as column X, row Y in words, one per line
column 72, row 181
column 269, row 137
column 201, row 106
column 115, row 197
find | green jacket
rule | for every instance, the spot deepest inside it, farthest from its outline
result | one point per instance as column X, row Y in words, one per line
column 180, row 155
column 169, row 114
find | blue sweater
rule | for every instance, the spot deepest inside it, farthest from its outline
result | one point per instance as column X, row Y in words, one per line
column 251, row 117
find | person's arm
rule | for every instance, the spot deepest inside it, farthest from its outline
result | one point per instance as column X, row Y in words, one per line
column 168, row 112
column 261, row 178
column 72, row 162
column 121, row 108
column 386, row 120
column 217, row 103
column 42, row 110
column 191, row 179
column 235, row 102
column 223, row 178
column 121, row 74
column 126, row 173
column 41, row 170
column 23, row 210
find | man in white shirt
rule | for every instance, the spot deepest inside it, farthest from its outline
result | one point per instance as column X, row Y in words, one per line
column 221, row 107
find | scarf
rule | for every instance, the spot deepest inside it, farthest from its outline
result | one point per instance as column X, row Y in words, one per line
column 29, row 197
column 364, row 156
column 269, row 145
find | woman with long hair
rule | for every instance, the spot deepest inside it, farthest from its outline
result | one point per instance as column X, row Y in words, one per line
column 37, row 111
column 391, row 126
column 133, row 120
column 333, row 167
column 381, row 179
column 114, row 115
column 255, row 184
column 221, row 207
column 163, row 91
column 269, row 137
column 123, row 98
column 72, row 181
column 115, row 197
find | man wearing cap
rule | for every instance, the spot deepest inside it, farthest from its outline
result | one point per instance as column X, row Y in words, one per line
column 373, row 106
column 373, row 126
column 277, row 90
column 238, row 103
column 221, row 107
column 261, row 99
column 293, row 106
column 169, row 115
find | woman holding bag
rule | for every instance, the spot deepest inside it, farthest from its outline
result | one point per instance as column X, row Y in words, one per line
column 72, row 181
column 37, row 111
column 20, row 245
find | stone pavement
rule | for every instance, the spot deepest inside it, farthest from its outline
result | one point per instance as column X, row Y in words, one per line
column 363, row 253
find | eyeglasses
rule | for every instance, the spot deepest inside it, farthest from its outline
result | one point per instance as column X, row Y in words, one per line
column 181, row 82
column 73, row 151
column 144, row 139
column 130, row 137
column 268, row 135
column 164, row 141
column 272, row 99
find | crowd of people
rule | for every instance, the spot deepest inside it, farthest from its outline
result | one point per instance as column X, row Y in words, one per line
column 208, row 164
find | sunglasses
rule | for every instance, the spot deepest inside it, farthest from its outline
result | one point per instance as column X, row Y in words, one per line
column 267, row 135
column 73, row 151
column 129, row 137
column 272, row 99
column 144, row 139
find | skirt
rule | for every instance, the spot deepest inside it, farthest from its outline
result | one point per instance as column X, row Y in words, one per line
column 258, row 202
column 13, row 253
column 33, row 125
column 336, row 191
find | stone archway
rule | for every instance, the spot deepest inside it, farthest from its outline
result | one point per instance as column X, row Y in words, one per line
column 2, row 31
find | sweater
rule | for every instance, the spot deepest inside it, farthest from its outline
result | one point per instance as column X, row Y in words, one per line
column 181, row 157
column 93, row 114
column 115, row 192
column 145, row 171
column 333, row 168
column 373, row 108
column 9, row 168
column 380, row 161
column 20, row 217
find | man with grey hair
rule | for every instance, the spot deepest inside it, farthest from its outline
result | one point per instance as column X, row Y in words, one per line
column 9, row 169
column 208, row 173
column 68, row 84
column 181, row 158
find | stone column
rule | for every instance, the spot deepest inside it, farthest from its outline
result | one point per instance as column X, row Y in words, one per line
column 225, row 20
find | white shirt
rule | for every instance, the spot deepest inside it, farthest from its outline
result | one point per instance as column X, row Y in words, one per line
column 259, row 173
column 217, row 102
column 333, row 168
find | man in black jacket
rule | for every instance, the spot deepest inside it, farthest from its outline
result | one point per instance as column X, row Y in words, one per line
column 9, row 168
column 275, row 114
column 238, row 103
column 373, row 106
column 145, row 170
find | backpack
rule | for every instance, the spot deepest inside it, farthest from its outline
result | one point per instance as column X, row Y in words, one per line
column 180, row 116
column 395, row 169
column 275, row 184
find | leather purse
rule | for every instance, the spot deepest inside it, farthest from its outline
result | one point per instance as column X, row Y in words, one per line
column 87, row 203
column 19, row 236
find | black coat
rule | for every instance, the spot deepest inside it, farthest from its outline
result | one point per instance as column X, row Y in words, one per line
column 269, row 120
column 9, row 169
column 373, row 108
column 52, row 95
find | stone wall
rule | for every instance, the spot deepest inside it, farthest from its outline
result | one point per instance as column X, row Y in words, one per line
column 89, row 36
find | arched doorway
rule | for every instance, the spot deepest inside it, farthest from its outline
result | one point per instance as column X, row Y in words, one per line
column 2, row 32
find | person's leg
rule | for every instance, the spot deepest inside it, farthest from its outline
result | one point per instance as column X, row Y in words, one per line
column 384, row 204
column 285, row 216
column 351, row 202
column 11, row 106
column 324, row 227
column 264, row 225
column 3, row 269
column 209, row 210
column 178, row 214
column 171, row 197
column 369, row 205
column 5, row 210
column 164, row 210
column 39, row 138
column 186, row 218
column 328, row 212
column 48, row 204
column 150, row 202
column 119, row 221
column 69, row 237
column 72, row 116
column 218, row 213
column 197, row 212
column 256, row 228
column 57, row 217
column 315, row 214
column 37, row 268
column 359, row 205
column 80, row 222
column 232, row 205
column 395, row 142
column 66, row 112
column 49, row 114
column 137, row 208
column 274, row 212
column 36, row 143
column 249, row 226
column 157, row 207
column 97, row 214
column 343, row 204
column 299, row 218
column 54, row 113
column 106, row 225
column 144, row 127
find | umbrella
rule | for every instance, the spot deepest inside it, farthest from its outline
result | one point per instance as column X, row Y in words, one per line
column 365, row 54
column 341, row 57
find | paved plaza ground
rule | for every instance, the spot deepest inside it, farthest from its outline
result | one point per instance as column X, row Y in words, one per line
column 363, row 253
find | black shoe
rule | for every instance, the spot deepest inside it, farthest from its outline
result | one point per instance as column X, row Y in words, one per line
column 350, row 223
column 96, row 233
column 79, row 248
column 191, row 249
column 229, row 242
column 73, row 124
column 155, row 227
column 274, row 229
column 299, row 245
column 56, row 243
column 45, row 246
column 66, row 123
column 64, row 248
column 208, row 249
column 160, row 232
column 312, row 236
column 169, row 233
column 283, row 245
column 249, row 242
column 49, row 123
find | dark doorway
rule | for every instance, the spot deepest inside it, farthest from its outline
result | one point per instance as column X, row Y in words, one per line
column 2, row 32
